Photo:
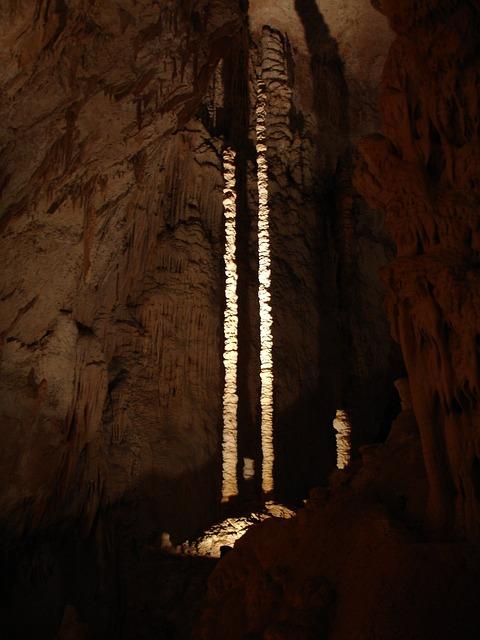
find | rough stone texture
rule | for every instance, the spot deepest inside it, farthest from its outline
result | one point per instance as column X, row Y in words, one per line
column 374, row 555
column 222, row 535
column 358, row 33
column 423, row 174
column 112, row 242
column 113, row 119
column 386, row 583
column 352, row 564
column 331, row 341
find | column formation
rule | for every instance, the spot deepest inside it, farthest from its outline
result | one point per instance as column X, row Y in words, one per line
column 264, row 295
column 230, row 355
column 343, row 429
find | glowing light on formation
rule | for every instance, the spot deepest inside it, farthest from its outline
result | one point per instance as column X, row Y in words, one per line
column 230, row 354
column 264, row 296
column 342, row 426
column 226, row 533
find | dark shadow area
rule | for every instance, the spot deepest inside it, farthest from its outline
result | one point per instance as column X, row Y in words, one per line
column 116, row 579
column 182, row 506
column 304, row 436
column 304, row 451
column 330, row 89
column 372, row 360
column 363, row 387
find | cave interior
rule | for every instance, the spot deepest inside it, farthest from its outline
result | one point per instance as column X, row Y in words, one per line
column 239, row 336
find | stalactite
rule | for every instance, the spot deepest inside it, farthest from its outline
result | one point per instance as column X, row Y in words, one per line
column 264, row 296
column 230, row 357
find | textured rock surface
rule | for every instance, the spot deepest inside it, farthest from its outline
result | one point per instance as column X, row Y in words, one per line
column 114, row 116
column 113, row 120
column 352, row 564
column 363, row 578
column 226, row 533
column 331, row 341
column 112, row 257
column 423, row 173
column 359, row 561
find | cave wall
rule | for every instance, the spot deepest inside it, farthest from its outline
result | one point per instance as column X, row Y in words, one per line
column 113, row 120
column 423, row 174
column 331, row 338
column 112, row 270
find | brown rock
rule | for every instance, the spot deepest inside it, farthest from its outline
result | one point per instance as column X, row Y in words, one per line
column 112, row 124
column 422, row 174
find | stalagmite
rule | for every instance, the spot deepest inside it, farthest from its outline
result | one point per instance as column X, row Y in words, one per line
column 248, row 469
column 230, row 356
column 342, row 426
column 264, row 296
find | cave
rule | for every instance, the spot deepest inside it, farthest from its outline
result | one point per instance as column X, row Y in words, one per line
column 239, row 330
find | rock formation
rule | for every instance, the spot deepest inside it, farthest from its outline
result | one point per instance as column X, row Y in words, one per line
column 112, row 249
column 422, row 173
column 115, row 119
column 370, row 557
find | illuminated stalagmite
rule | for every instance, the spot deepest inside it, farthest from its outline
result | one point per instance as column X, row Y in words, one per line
column 230, row 397
column 264, row 296
column 230, row 357
column 342, row 426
